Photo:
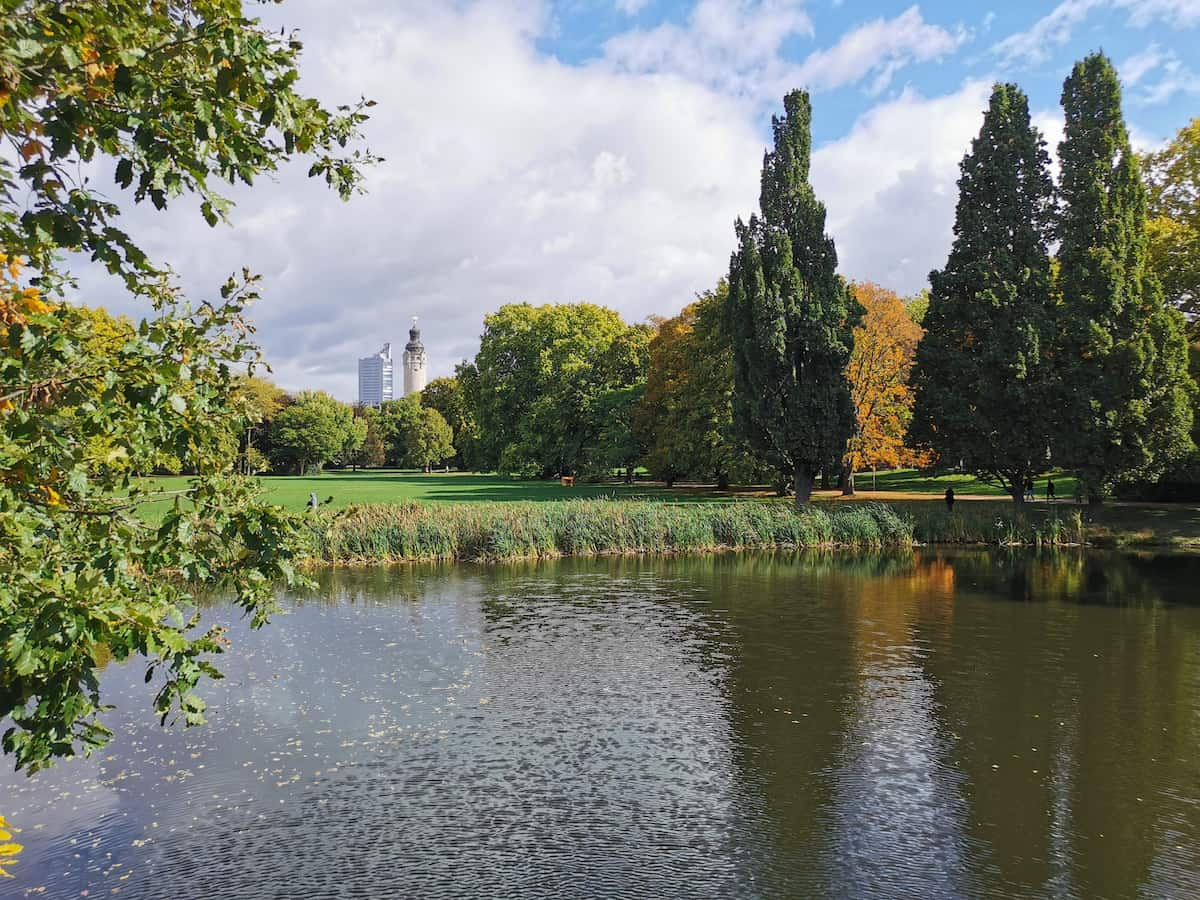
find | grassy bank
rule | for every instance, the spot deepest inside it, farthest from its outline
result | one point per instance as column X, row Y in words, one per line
column 1175, row 526
column 523, row 530
column 996, row 523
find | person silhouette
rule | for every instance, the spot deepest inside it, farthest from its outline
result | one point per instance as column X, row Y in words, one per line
column 950, row 498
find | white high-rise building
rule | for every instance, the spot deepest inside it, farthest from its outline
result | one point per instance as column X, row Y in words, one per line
column 375, row 378
column 414, row 361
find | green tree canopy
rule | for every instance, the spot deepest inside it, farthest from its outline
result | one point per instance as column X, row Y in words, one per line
column 686, row 417
column 537, row 374
column 178, row 97
column 415, row 435
column 982, row 375
column 446, row 396
column 1126, row 407
column 372, row 453
column 314, row 429
column 790, row 317
column 1172, row 177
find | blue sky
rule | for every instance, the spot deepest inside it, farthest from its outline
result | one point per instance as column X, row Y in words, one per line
column 600, row 150
column 1133, row 31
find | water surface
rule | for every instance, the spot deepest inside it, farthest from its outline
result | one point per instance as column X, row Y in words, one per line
column 940, row 725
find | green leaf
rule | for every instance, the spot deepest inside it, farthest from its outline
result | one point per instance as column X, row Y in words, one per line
column 124, row 174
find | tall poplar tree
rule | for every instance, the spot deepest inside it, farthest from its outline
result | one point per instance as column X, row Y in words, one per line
column 790, row 317
column 1124, row 362
column 982, row 369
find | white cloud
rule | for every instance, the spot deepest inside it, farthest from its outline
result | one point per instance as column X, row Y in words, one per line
column 631, row 7
column 880, row 47
column 1174, row 78
column 1137, row 66
column 540, row 181
column 1052, row 30
column 1055, row 28
column 890, row 185
column 732, row 45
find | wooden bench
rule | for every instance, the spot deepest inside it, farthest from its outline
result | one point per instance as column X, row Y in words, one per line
column 568, row 481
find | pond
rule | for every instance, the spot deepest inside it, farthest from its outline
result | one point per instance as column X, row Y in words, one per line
column 957, row 724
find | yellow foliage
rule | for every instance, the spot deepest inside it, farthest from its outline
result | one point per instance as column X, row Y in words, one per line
column 885, row 345
column 8, row 849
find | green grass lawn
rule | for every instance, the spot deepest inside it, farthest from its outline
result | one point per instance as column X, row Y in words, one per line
column 396, row 486
column 917, row 482
column 1176, row 526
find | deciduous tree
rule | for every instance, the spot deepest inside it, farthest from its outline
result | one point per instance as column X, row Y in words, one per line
column 446, row 396
column 314, row 429
column 416, row 436
column 1172, row 177
column 686, row 417
column 173, row 98
column 537, row 373
column 885, row 345
column 790, row 317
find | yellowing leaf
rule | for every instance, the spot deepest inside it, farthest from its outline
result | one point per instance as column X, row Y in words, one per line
column 33, row 302
column 32, row 148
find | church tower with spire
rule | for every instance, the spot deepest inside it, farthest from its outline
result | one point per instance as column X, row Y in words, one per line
column 414, row 361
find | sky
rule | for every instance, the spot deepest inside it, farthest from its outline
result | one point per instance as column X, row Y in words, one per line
column 600, row 150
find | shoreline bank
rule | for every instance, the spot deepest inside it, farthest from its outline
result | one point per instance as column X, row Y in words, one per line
column 523, row 530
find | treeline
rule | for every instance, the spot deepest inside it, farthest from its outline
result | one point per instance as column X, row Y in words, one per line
column 1074, row 360
column 1055, row 337
column 302, row 433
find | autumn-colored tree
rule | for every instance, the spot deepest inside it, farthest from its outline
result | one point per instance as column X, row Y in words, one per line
column 262, row 401
column 1172, row 177
column 686, row 417
column 885, row 344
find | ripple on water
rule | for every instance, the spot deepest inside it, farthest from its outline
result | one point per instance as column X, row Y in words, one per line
column 746, row 726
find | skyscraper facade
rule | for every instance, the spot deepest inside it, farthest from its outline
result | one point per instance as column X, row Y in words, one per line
column 415, row 361
column 375, row 378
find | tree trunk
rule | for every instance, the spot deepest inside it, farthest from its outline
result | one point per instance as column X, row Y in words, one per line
column 670, row 480
column 722, row 481
column 825, row 482
column 804, row 485
column 1017, row 491
column 848, row 482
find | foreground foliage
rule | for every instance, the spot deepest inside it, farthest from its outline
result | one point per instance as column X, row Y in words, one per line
column 497, row 531
column 172, row 98
column 8, row 848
